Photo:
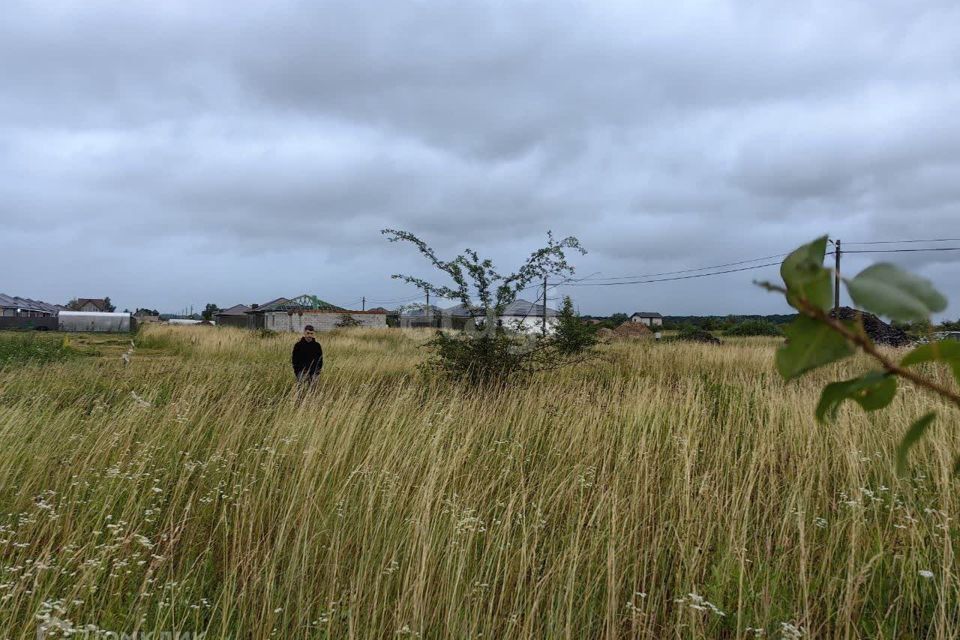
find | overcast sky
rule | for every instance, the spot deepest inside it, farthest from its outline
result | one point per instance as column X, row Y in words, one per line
column 176, row 153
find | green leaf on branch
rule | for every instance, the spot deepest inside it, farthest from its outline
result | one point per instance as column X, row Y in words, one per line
column 910, row 438
column 810, row 344
column 887, row 290
column 947, row 352
column 871, row 391
column 805, row 276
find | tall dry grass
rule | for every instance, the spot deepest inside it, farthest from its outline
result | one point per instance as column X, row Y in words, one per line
column 670, row 490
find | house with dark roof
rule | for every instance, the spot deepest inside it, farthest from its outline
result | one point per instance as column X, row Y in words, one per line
column 17, row 307
column 420, row 316
column 520, row 315
column 649, row 318
column 91, row 304
column 293, row 314
column 235, row 316
column 25, row 313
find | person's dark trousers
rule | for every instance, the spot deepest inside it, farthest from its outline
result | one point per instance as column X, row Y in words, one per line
column 306, row 381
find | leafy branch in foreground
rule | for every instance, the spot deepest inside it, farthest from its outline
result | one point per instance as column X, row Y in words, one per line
column 816, row 338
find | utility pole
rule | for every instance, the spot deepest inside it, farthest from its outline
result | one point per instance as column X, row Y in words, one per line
column 364, row 306
column 427, row 310
column 544, row 305
column 836, row 277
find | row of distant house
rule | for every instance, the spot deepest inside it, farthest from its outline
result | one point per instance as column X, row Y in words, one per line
column 84, row 314
column 17, row 307
column 293, row 314
column 519, row 314
column 280, row 314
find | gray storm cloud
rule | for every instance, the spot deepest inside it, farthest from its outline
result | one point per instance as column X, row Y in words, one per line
column 167, row 153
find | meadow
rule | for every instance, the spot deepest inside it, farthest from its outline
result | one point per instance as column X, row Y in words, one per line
column 663, row 491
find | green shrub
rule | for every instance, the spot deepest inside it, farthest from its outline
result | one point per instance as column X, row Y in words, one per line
column 754, row 328
column 572, row 336
column 27, row 348
column 494, row 357
column 693, row 333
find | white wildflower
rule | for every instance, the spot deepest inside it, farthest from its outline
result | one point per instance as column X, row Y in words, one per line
column 140, row 401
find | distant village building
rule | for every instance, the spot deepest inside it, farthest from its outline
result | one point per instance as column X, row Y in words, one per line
column 91, row 304
column 17, row 307
column 235, row 316
column 294, row 314
column 392, row 315
column 420, row 316
column 649, row 318
column 24, row 313
column 519, row 315
column 144, row 316
column 528, row 316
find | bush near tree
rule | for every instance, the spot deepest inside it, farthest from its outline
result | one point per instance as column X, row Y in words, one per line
column 754, row 328
column 571, row 335
column 209, row 311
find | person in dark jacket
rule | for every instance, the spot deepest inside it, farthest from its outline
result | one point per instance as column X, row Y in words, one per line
column 307, row 356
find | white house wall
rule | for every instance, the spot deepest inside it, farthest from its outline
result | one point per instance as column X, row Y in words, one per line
column 528, row 324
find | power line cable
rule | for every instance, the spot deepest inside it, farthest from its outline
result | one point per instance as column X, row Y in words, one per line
column 716, row 266
column 904, row 241
column 688, row 277
column 584, row 283
column 901, row 250
column 694, row 273
column 394, row 301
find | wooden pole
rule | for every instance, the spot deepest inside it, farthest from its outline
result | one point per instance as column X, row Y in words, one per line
column 836, row 278
column 544, row 305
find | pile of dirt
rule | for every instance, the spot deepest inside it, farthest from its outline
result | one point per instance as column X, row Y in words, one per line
column 633, row 331
column 605, row 334
column 878, row 330
column 698, row 335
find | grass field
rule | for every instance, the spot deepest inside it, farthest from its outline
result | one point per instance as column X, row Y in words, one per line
column 666, row 491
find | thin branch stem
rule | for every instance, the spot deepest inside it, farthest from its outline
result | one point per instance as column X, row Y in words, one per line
column 868, row 347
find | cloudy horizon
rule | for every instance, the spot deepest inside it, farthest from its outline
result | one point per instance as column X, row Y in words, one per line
column 173, row 154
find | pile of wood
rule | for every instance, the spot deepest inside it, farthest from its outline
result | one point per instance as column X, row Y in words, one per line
column 878, row 330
